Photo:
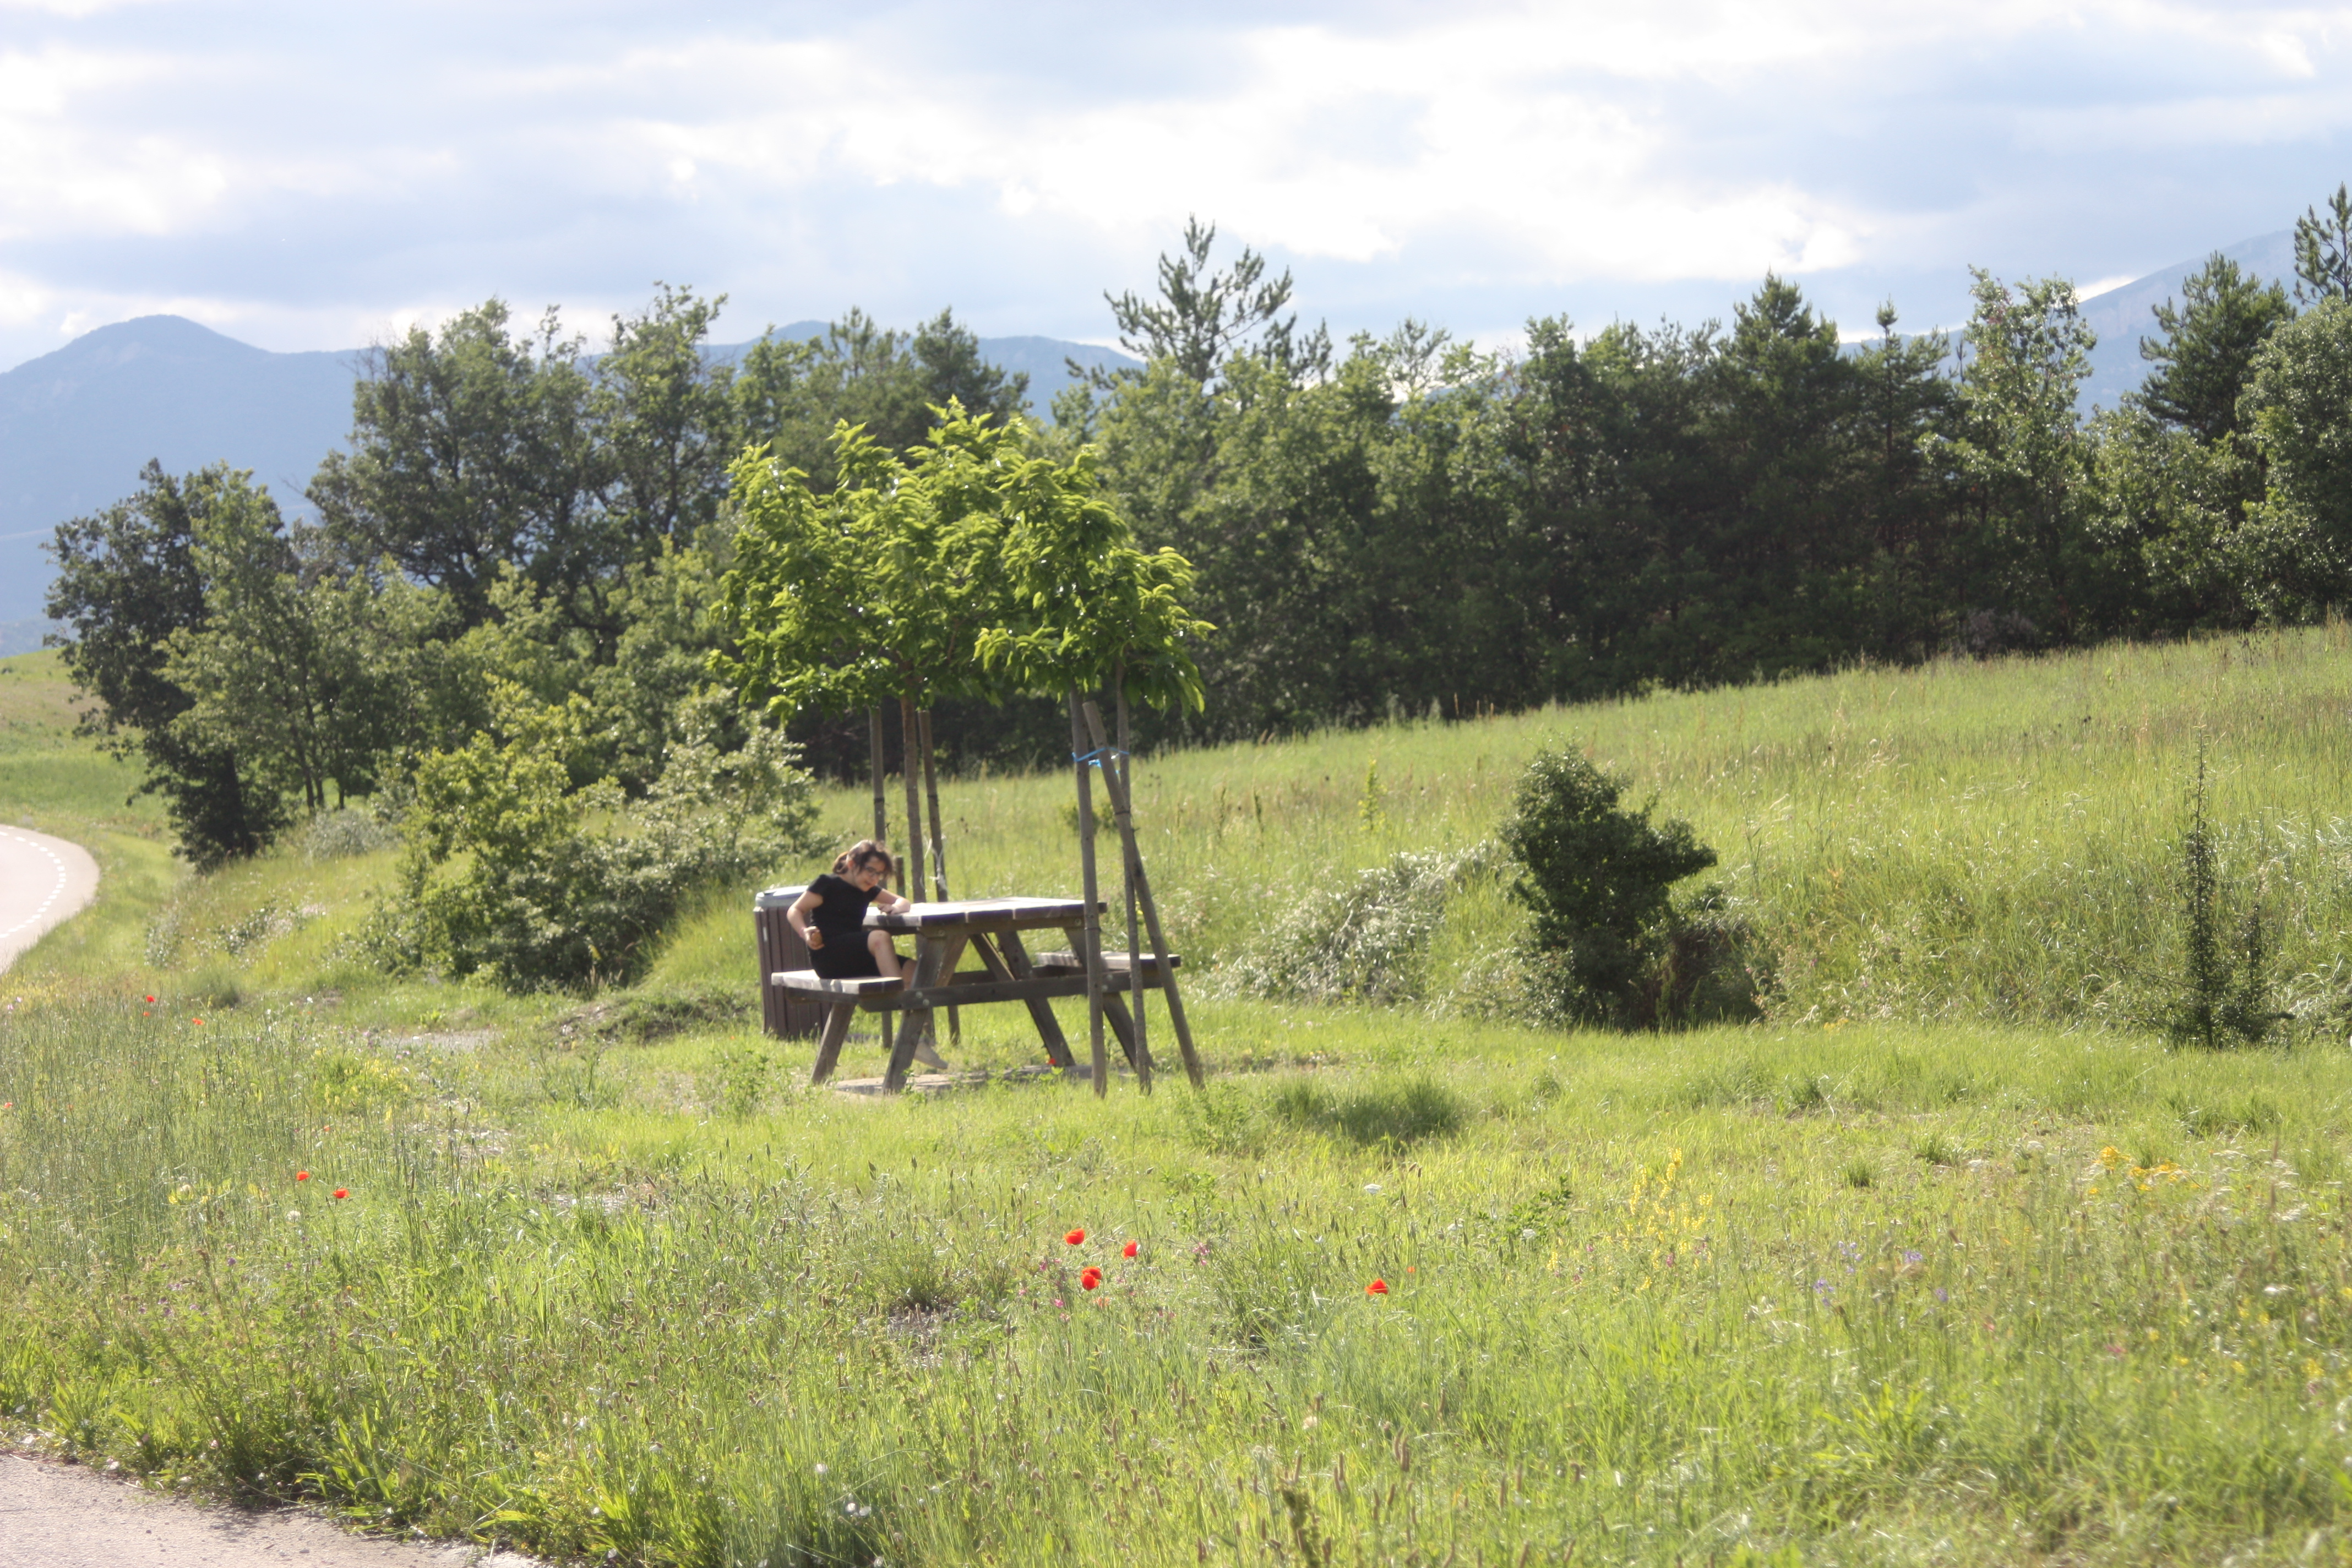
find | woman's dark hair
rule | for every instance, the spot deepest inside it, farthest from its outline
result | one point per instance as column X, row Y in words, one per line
column 865, row 852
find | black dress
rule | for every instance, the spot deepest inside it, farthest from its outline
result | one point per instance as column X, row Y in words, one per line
column 840, row 919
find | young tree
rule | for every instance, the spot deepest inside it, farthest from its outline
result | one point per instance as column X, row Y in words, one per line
column 878, row 590
column 2322, row 250
column 2208, row 348
column 298, row 674
column 2021, row 452
column 665, row 414
column 2299, row 402
column 127, row 580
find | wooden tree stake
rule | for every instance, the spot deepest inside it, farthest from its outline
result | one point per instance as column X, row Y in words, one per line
column 1129, row 862
column 1090, row 933
column 938, row 846
column 1124, row 819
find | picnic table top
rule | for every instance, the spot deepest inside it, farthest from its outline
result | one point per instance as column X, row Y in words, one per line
column 978, row 911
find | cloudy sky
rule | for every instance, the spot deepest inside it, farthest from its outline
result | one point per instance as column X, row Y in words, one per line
column 303, row 176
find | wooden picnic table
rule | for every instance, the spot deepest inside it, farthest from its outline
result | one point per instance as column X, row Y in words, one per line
column 989, row 930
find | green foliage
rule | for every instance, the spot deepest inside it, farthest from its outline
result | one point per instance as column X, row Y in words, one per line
column 128, row 581
column 2224, row 996
column 316, row 680
column 2322, row 250
column 2300, row 401
column 2025, row 458
column 471, row 450
column 1368, row 939
column 508, row 877
column 2208, row 348
column 792, row 397
column 1597, row 878
column 975, row 567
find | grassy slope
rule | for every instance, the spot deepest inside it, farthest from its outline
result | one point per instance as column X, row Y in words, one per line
column 1865, row 1290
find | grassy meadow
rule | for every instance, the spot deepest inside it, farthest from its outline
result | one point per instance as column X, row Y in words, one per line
column 1946, row 1259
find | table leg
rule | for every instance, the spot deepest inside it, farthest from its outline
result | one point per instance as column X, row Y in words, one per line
column 828, row 1048
column 1122, row 1025
column 1041, row 1013
column 912, row 1021
column 928, row 1050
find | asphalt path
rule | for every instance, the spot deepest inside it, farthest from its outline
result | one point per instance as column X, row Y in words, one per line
column 63, row 1515
column 42, row 881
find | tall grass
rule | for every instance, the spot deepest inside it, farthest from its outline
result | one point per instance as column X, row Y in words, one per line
column 2089, row 1299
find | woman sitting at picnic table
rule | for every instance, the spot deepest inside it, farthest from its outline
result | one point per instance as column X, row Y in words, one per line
column 830, row 917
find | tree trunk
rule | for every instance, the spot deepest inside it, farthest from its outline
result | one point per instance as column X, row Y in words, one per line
column 910, row 883
column 881, row 800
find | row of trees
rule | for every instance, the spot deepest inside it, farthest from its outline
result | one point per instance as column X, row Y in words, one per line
column 1417, row 526
column 1402, row 525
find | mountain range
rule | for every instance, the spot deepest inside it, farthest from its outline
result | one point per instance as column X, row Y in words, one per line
column 77, row 426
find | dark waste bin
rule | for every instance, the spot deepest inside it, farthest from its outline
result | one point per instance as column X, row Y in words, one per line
column 784, row 1015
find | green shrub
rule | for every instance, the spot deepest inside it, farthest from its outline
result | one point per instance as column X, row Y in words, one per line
column 2221, row 997
column 505, row 877
column 1365, row 941
column 1597, row 878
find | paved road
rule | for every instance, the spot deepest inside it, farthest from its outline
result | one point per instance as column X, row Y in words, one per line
column 42, row 881
column 62, row 1516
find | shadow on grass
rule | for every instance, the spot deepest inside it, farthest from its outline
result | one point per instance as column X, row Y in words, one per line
column 1386, row 1115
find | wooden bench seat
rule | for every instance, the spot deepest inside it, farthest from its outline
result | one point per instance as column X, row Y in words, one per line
column 1114, row 963
column 809, row 983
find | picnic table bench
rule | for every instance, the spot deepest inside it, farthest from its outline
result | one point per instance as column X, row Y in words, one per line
column 989, row 930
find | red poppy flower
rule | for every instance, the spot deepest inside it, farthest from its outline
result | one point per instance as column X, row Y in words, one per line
column 1089, row 1277
column 198, row 1021
column 150, row 1001
column 301, row 1175
column 1129, row 1250
column 1377, row 1287
column 342, row 1192
column 1076, row 1237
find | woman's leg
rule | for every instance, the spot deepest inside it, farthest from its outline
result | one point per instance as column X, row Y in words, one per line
column 886, row 957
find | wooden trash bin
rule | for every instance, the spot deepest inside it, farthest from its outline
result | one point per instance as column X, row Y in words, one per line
column 784, row 1016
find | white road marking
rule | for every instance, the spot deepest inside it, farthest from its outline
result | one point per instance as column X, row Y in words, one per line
column 65, row 882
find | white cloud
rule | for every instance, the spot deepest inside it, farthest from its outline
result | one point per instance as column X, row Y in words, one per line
column 314, row 170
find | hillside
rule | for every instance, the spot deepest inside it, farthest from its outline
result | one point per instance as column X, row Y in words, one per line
column 1943, row 1261
column 1988, row 843
column 77, row 426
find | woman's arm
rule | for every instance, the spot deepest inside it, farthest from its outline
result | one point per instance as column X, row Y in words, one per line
column 797, row 917
column 887, row 901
